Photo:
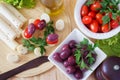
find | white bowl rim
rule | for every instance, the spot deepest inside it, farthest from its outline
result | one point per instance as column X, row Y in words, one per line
column 85, row 30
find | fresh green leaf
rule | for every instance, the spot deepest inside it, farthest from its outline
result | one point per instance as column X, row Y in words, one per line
column 114, row 16
column 85, row 41
column 77, row 55
column 33, row 39
column 21, row 3
column 26, row 43
column 89, row 2
column 105, row 19
column 91, row 60
column 42, row 49
column 83, row 65
column 31, row 47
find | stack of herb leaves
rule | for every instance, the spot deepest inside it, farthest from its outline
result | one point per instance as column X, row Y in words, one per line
column 84, row 54
column 110, row 46
column 40, row 42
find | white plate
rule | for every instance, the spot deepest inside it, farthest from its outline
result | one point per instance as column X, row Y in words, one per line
column 77, row 36
column 85, row 30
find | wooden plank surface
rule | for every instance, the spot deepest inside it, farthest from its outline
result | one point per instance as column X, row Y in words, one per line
column 68, row 16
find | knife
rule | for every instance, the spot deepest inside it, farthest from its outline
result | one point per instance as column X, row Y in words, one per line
column 31, row 64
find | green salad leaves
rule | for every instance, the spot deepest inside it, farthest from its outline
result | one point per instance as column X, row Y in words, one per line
column 21, row 3
column 110, row 46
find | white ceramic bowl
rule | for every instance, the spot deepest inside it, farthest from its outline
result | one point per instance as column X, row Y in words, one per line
column 77, row 36
column 85, row 30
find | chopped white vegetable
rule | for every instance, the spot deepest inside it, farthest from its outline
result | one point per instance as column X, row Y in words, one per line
column 59, row 25
column 22, row 50
column 37, row 51
column 15, row 12
column 31, row 21
column 46, row 17
column 4, row 27
column 10, row 43
column 12, row 58
column 10, row 16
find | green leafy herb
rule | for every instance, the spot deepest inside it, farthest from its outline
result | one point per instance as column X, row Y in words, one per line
column 21, row 3
column 79, row 54
column 106, row 19
column 49, row 29
column 89, row 2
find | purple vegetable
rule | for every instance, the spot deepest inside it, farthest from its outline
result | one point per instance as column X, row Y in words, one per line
column 72, row 44
column 31, row 28
column 56, row 56
column 65, row 46
column 52, row 37
column 65, row 54
column 78, row 74
column 66, row 63
column 41, row 24
column 72, row 60
column 71, row 69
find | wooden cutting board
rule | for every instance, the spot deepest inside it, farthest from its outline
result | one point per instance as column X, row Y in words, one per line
column 4, row 49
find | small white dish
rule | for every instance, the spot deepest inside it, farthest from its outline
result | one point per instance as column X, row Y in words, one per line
column 85, row 30
column 77, row 36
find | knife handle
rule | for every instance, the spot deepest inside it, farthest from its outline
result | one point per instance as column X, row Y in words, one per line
column 31, row 64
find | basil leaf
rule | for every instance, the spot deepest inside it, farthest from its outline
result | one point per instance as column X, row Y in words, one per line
column 105, row 19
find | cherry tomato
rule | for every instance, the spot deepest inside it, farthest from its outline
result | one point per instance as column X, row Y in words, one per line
column 110, row 15
column 105, row 28
column 26, row 34
column 114, row 24
column 99, row 17
column 84, row 10
column 94, row 26
column 118, row 18
column 51, row 42
column 87, row 19
column 96, row 6
column 36, row 22
column 92, row 14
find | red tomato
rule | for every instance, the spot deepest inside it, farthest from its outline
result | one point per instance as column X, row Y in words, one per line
column 26, row 34
column 51, row 42
column 84, row 10
column 94, row 26
column 114, row 24
column 87, row 19
column 105, row 28
column 96, row 6
column 99, row 17
column 36, row 23
column 110, row 15
column 92, row 14
column 118, row 18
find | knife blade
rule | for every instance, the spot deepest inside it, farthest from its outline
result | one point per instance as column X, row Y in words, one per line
column 31, row 64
